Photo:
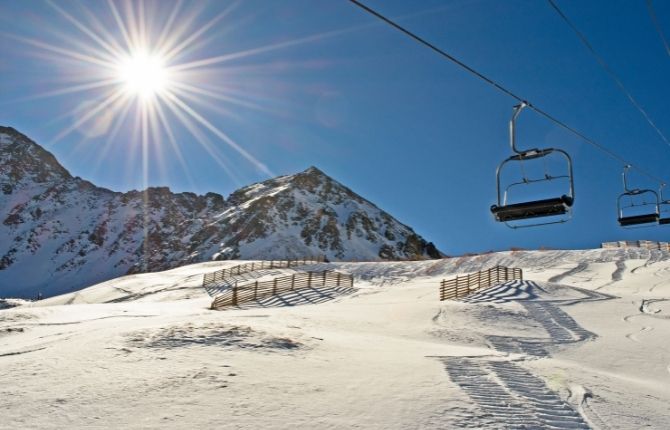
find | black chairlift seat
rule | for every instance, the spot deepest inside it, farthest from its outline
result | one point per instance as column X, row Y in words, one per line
column 644, row 218
column 534, row 209
column 558, row 208
column 638, row 219
column 664, row 221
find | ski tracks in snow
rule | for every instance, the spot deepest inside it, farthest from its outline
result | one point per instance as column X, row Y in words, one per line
column 579, row 268
column 508, row 394
column 505, row 394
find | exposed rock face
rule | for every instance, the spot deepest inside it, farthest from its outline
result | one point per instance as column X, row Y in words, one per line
column 60, row 233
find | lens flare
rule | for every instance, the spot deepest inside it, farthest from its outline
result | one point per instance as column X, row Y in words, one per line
column 147, row 68
column 143, row 74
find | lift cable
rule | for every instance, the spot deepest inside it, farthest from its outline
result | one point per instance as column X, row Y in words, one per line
column 609, row 71
column 657, row 25
column 504, row 90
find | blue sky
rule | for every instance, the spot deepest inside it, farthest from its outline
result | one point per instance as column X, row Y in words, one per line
column 406, row 129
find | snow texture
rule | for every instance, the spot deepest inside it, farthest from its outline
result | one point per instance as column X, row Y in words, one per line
column 144, row 351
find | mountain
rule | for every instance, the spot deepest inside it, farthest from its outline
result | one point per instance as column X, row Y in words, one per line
column 60, row 233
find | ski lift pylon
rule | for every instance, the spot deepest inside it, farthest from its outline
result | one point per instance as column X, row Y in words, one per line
column 551, row 207
column 638, row 218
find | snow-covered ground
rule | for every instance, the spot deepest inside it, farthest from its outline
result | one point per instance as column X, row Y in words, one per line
column 583, row 342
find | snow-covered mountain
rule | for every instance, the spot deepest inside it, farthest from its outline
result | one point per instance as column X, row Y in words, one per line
column 59, row 233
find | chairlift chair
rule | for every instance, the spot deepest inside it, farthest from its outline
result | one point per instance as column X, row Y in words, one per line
column 664, row 216
column 638, row 218
column 550, row 207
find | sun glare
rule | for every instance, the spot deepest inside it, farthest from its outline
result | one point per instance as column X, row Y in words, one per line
column 143, row 74
column 151, row 78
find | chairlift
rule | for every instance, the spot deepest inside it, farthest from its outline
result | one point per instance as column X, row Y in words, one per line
column 646, row 217
column 664, row 216
column 550, row 207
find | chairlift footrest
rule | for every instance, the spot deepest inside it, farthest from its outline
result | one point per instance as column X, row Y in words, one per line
column 639, row 219
column 534, row 209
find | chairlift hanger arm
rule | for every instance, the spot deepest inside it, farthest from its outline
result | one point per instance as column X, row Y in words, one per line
column 625, row 180
column 660, row 194
column 512, row 134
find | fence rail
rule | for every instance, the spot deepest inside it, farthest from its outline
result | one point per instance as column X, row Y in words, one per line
column 214, row 278
column 462, row 286
column 238, row 294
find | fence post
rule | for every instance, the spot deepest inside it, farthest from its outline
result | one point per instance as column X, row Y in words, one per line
column 256, row 289
column 339, row 275
column 274, row 287
column 235, row 294
column 324, row 277
column 506, row 274
column 292, row 281
column 309, row 279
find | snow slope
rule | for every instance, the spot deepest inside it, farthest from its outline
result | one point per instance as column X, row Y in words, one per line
column 582, row 342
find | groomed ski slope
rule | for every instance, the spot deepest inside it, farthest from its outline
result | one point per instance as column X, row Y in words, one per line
column 583, row 342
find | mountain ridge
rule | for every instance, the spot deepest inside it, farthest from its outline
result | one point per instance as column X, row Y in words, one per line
column 60, row 233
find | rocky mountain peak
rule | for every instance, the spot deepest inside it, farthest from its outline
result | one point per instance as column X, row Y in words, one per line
column 21, row 158
column 59, row 233
column 310, row 178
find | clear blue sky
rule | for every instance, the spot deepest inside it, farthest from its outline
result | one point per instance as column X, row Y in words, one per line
column 385, row 116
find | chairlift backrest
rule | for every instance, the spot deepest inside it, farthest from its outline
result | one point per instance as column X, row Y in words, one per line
column 551, row 207
column 646, row 217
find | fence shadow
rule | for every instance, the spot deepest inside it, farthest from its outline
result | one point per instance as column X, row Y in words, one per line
column 503, row 293
column 302, row 296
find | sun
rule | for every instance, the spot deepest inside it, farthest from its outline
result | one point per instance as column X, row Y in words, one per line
column 150, row 77
column 143, row 74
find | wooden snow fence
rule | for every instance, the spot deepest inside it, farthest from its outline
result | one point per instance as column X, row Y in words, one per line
column 462, row 286
column 214, row 278
column 238, row 294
